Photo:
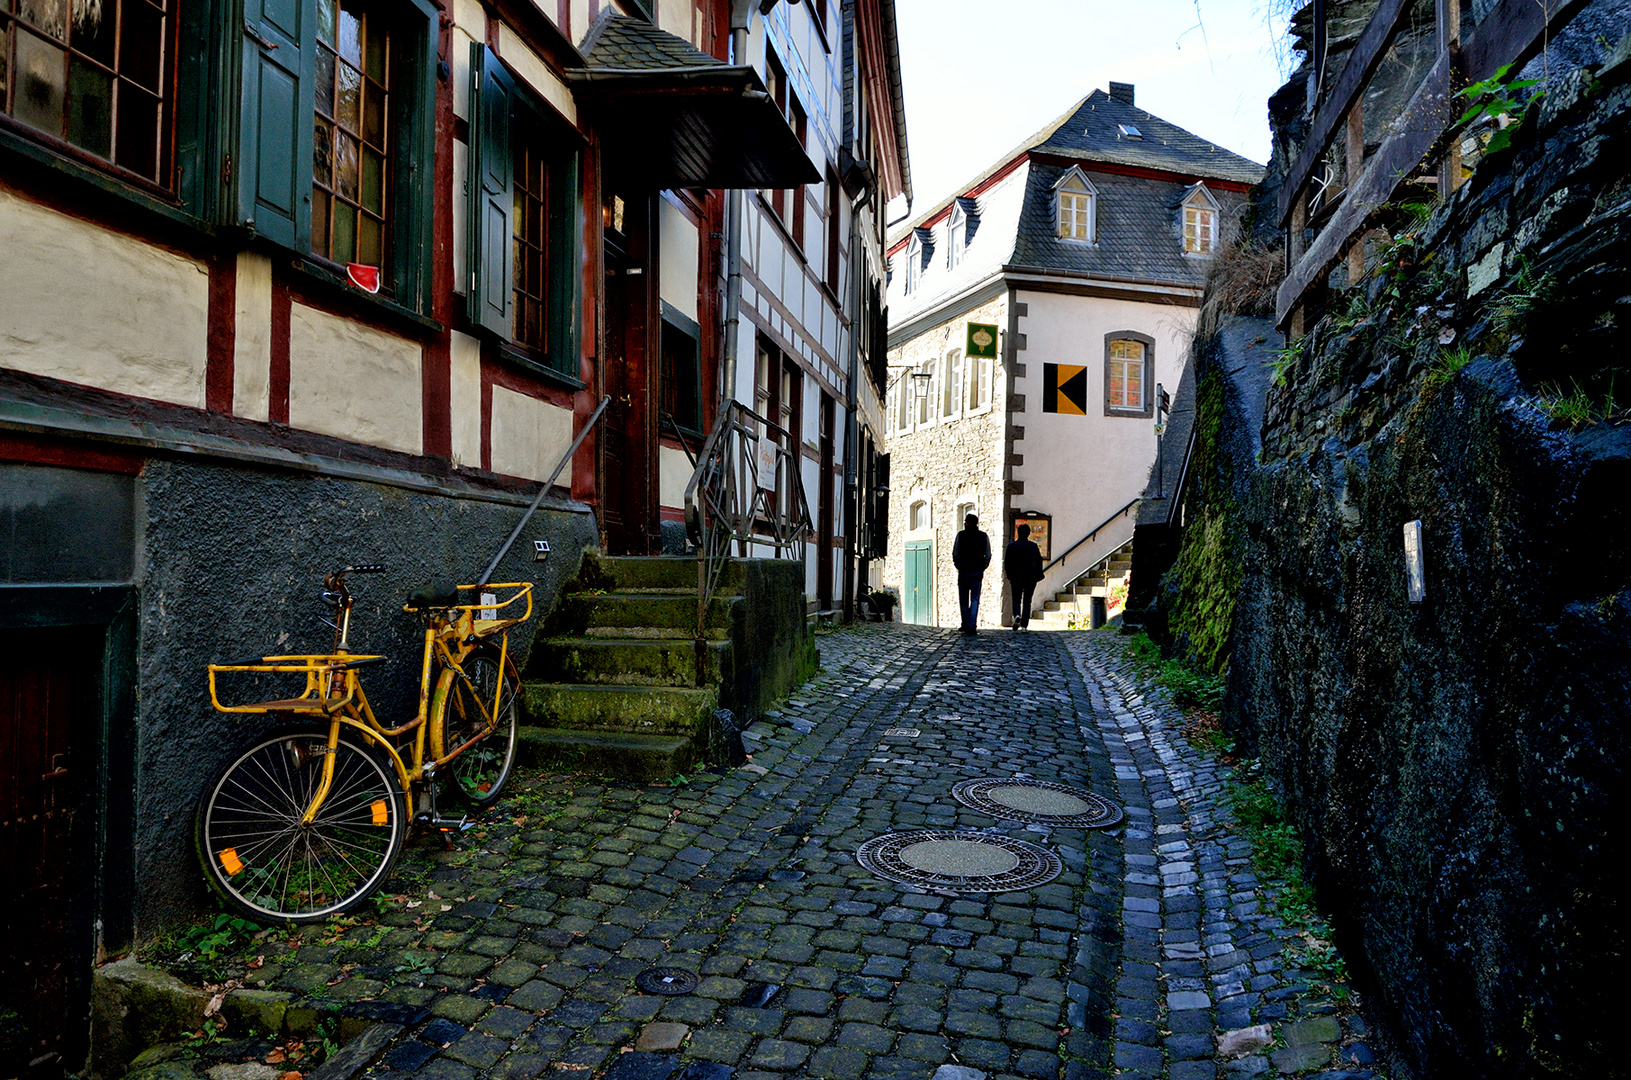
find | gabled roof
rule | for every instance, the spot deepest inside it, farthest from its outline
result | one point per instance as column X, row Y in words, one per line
column 1089, row 131
column 619, row 42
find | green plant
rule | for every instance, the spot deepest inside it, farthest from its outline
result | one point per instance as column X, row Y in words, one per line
column 210, row 941
column 1283, row 360
column 1276, row 848
column 1445, row 365
column 1578, row 407
column 1528, row 293
column 1494, row 98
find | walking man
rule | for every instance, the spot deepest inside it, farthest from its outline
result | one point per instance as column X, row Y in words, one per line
column 1022, row 565
column 971, row 554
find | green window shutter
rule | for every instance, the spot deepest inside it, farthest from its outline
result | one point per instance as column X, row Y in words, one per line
column 274, row 185
column 492, row 198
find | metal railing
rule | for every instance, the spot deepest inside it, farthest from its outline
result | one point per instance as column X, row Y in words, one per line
column 1096, row 530
column 1511, row 32
column 748, row 489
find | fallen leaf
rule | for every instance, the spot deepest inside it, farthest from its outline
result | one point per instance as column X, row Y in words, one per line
column 447, row 907
column 415, row 903
column 257, row 963
column 276, row 1056
column 290, row 1075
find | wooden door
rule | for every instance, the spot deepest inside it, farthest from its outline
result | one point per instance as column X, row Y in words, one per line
column 917, row 587
column 628, row 439
column 824, row 507
column 45, row 778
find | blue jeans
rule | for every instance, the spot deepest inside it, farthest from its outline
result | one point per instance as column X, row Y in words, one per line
column 968, row 598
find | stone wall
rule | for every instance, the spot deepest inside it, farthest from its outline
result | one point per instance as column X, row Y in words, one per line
column 949, row 462
column 1456, row 766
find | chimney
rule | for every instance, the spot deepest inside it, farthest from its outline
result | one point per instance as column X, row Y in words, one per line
column 1122, row 91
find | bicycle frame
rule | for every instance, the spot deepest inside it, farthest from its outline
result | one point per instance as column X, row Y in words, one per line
column 334, row 689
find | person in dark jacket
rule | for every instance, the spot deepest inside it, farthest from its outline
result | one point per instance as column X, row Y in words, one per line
column 1022, row 565
column 971, row 554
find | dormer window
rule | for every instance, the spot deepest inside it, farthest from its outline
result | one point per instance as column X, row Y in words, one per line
column 958, row 225
column 1077, row 200
column 1200, row 215
column 1129, row 131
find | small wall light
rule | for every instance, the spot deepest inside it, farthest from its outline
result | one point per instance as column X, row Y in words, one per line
column 540, row 550
column 1415, row 572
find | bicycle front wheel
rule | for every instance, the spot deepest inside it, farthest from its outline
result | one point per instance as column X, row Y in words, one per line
column 263, row 861
column 463, row 710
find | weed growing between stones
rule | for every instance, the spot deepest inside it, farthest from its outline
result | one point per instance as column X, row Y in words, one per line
column 1579, row 407
column 1188, row 686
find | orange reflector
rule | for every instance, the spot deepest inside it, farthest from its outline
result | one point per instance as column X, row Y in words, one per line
column 380, row 816
column 230, row 861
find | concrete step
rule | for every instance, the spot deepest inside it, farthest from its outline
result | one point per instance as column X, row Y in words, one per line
column 658, row 573
column 626, row 661
column 608, row 753
column 641, row 710
column 639, row 615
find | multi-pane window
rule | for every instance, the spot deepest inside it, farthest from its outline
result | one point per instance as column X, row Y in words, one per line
column 351, row 151
column 979, row 383
column 98, row 74
column 951, row 382
column 958, row 226
column 1126, row 375
column 1200, row 230
column 914, row 265
column 1075, row 215
column 903, row 402
column 924, row 400
column 533, row 202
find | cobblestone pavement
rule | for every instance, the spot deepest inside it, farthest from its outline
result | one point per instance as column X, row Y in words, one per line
column 515, row 953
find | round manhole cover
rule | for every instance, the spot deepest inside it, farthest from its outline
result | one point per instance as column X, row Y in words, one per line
column 666, row 980
column 959, row 861
column 1037, row 801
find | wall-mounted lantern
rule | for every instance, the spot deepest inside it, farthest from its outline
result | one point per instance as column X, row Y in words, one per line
column 1414, row 562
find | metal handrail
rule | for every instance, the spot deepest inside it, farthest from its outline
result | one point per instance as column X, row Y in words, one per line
column 679, row 435
column 747, row 488
column 487, row 574
column 1097, row 529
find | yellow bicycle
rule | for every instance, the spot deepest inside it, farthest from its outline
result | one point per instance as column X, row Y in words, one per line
column 307, row 822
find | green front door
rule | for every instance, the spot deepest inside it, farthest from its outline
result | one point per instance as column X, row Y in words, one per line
column 917, row 593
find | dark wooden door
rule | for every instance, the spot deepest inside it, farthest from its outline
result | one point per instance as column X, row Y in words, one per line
column 45, row 778
column 824, row 506
column 628, row 438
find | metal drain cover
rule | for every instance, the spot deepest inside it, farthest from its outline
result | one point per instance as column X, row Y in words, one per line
column 959, row 861
column 666, row 980
column 1037, row 801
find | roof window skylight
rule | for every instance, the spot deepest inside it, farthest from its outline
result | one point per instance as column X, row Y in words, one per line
column 1130, row 131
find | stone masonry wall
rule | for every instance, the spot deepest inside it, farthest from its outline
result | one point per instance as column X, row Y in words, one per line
column 949, row 462
column 1456, row 766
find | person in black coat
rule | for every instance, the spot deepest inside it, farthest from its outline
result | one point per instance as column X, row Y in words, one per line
column 1022, row 565
column 971, row 554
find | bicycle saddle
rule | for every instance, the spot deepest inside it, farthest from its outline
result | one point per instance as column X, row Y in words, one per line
column 433, row 596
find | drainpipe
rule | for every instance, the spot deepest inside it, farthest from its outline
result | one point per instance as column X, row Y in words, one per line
column 741, row 20
column 852, row 428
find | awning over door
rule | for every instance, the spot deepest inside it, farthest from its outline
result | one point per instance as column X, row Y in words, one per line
column 671, row 116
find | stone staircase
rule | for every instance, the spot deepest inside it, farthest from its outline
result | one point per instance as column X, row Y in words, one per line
column 1076, row 603
column 611, row 686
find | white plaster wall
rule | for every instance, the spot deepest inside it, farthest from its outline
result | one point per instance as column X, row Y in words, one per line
column 529, row 436
column 678, row 247
column 531, row 67
column 461, row 218
column 674, row 16
column 465, row 399
column 252, row 343
column 91, row 306
column 673, row 474
column 580, row 20
column 354, row 382
column 1081, row 469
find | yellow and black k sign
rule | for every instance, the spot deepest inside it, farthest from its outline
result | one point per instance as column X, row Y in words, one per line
column 1064, row 389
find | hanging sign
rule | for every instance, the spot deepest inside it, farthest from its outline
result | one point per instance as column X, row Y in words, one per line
column 982, row 341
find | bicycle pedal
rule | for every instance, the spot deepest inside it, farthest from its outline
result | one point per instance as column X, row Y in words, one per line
column 446, row 824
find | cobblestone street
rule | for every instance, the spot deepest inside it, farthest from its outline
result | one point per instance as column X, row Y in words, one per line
column 515, row 953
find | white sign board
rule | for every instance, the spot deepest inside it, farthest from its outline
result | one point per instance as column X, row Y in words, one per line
column 764, row 464
column 1415, row 571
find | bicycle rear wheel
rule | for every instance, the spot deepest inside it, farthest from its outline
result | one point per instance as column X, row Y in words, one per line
column 263, row 862
column 460, row 713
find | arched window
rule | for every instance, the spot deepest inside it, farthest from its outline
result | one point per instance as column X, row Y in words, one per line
column 1078, row 206
column 918, row 517
column 951, row 383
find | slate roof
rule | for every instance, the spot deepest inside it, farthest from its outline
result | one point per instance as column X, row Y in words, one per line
column 619, row 42
column 1137, row 228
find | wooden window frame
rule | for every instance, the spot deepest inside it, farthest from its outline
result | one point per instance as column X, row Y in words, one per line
column 1146, row 407
column 676, row 329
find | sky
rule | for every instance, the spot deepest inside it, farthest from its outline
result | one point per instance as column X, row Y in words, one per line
column 982, row 76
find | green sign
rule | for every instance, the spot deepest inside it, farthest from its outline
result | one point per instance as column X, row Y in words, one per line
column 982, row 341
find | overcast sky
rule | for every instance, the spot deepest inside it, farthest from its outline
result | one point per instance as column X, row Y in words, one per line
column 982, row 76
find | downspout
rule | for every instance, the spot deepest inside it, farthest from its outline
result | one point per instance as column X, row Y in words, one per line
column 852, row 427
column 741, row 19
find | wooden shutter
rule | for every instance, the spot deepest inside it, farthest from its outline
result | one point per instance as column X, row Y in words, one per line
column 880, row 510
column 492, row 198
column 275, row 163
